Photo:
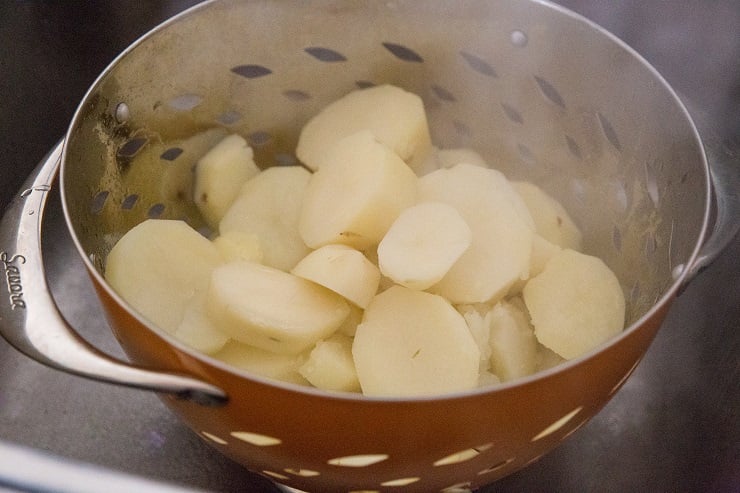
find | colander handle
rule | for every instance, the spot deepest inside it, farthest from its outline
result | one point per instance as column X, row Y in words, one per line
column 30, row 320
column 724, row 167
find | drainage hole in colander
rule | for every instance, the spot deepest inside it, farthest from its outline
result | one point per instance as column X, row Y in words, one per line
column 512, row 113
column 443, row 94
column 296, row 95
column 557, row 424
column 573, row 147
column 129, row 202
column 325, row 54
column 549, row 91
column 171, row 154
column 609, row 132
column 496, row 467
column 229, row 117
column 251, row 71
column 478, row 64
column 98, row 201
column 131, row 147
column 403, row 53
column 185, row 102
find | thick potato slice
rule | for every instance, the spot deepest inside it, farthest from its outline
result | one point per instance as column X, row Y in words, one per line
column 197, row 329
column 158, row 267
column 394, row 116
column 342, row 269
column 575, row 303
column 238, row 245
column 414, row 343
column 422, row 244
column 360, row 189
column 513, row 343
column 220, row 174
column 551, row 220
column 283, row 367
column 502, row 232
column 268, row 206
column 330, row 365
column 271, row 309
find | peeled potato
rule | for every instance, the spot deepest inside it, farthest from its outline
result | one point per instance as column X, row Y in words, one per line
column 422, row 244
column 330, row 365
column 394, row 116
column 342, row 269
column 271, row 309
column 238, row 245
column 197, row 330
column 283, row 367
column 219, row 175
column 158, row 267
column 268, row 206
column 513, row 343
column 414, row 343
column 502, row 232
column 552, row 221
column 360, row 189
column 575, row 303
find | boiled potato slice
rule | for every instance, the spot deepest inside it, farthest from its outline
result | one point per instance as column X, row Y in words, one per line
column 542, row 251
column 268, row 206
column 575, row 303
column 271, row 309
column 158, row 267
column 422, row 244
column 552, row 221
column 349, row 326
column 414, row 343
column 512, row 340
column 502, row 232
column 342, row 269
column 394, row 116
column 238, row 245
column 330, row 365
column 197, row 330
column 220, row 174
column 360, row 189
column 283, row 367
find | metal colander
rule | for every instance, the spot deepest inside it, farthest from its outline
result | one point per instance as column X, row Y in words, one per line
column 542, row 94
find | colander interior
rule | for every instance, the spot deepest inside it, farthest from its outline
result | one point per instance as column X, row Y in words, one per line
column 541, row 94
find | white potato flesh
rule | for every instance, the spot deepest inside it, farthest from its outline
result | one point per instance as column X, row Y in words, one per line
column 542, row 251
column 552, row 221
column 283, row 367
column 220, row 174
column 197, row 330
column 394, row 116
column 502, row 232
column 355, row 196
column 422, row 244
column 414, row 343
column 342, row 269
column 576, row 303
column 330, row 365
column 513, row 343
column 271, row 309
column 238, row 245
column 268, row 206
column 158, row 267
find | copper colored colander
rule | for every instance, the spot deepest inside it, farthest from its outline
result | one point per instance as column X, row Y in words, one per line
column 543, row 94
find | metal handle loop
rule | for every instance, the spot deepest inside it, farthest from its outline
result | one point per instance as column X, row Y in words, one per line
column 30, row 319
